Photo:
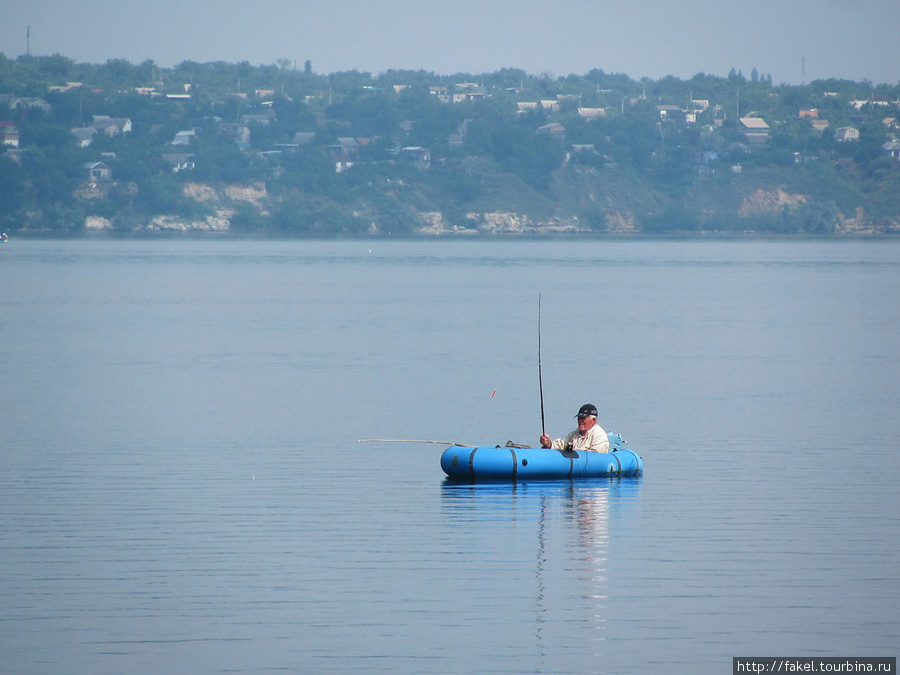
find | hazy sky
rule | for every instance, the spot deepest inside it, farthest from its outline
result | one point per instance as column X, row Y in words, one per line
column 852, row 39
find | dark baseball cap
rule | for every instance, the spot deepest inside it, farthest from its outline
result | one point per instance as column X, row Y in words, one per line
column 587, row 410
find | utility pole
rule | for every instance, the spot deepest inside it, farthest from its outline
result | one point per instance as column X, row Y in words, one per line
column 28, row 41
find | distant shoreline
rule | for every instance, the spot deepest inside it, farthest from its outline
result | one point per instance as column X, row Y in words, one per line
column 449, row 236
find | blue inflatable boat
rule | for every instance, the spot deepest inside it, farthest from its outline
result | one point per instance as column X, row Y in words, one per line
column 517, row 463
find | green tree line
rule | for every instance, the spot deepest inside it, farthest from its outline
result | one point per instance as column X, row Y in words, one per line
column 491, row 139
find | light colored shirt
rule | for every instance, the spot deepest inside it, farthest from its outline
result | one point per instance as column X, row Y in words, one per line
column 595, row 440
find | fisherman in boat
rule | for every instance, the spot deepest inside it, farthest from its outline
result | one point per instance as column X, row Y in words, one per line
column 588, row 437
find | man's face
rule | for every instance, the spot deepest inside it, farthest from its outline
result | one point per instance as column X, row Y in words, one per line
column 585, row 424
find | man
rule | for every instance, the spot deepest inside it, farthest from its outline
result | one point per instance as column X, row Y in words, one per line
column 588, row 437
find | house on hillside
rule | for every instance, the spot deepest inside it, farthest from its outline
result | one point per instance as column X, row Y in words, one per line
column 236, row 131
column 457, row 139
column 553, row 128
column 346, row 146
column 111, row 126
column 844, row 134
column 669, row 111
column 29, row 102
column 342, row 163
column 98, row 171
column 704, row 162
column 179, row 161
column 304, row 137
column 23, row 103
column 84, row 136
column 420, row 157
column 184, row 137
column 592, row 113
column 263, row 118
column 460, row 96
column 9, row 134
column 892, row 148
column 67, row 86
column 442, row 93
column 756, row 129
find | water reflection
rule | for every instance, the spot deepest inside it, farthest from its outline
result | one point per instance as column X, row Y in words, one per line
column 561, row 533
column 579, row 497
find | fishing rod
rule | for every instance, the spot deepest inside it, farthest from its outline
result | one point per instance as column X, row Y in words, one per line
column 407, row 440
column 540, row 369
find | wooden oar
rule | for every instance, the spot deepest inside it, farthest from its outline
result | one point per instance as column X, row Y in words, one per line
column 407, row 440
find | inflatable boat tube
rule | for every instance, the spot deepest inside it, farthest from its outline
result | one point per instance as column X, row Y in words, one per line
column 499, row 462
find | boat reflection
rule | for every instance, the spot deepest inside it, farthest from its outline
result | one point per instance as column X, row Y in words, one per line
column 567, row 525
column 515, row 496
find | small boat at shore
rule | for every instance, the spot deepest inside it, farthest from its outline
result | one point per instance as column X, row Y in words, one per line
column 518, row 463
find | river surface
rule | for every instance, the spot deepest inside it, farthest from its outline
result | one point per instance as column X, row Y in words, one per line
column 182, row 489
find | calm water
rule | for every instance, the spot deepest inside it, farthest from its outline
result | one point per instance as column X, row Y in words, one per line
column 182, row 490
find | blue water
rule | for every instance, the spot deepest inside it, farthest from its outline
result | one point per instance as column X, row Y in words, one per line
column 182, row 490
